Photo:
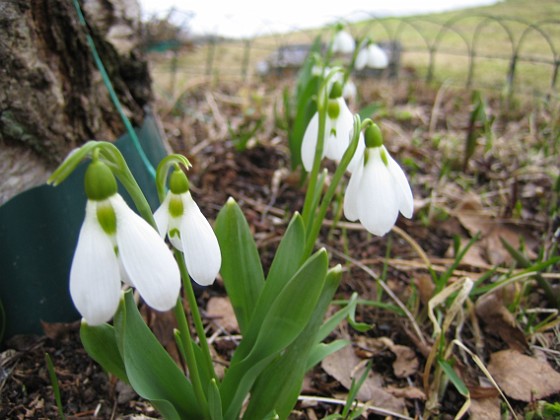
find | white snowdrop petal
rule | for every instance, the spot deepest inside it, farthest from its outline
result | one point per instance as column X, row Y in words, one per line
column 175, row 239
column 343, row 43
column 309, row 143
column 377, row 58
column 349, row 91
column 201, row 250
column 94, row 275
column 406, row 201
column 351, row 196
column 378, row 206
column 343, row 125
column 161, row 216
column 146, row 258
column 358, row 158
column 361, row 59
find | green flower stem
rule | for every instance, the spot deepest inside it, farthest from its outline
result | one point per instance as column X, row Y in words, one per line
column 313, row 231
column 189, row 352
column 112, row 156
column 308, row 208
column 363, row 43
column 191, row 298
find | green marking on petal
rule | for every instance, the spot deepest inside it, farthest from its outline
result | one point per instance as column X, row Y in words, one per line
column 176, row 206
column 333, row 109
column 383, row 154
column 174, row 233
column 107, row 218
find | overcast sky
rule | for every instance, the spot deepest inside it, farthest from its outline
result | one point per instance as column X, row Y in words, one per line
column 241, row 18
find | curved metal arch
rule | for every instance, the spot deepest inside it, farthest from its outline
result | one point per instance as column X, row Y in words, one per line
column 494, row 19
column 537, row 27
column 555, row 59
column 409, row 22
column 376, row 20
column 485, row 22
column 445, row 28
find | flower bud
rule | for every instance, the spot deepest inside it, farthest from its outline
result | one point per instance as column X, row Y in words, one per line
column 373, row 136
column 99, row 181
column 336, row 90
column 178, row 182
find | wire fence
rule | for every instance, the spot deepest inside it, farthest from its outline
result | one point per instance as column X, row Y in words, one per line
column 472, row 50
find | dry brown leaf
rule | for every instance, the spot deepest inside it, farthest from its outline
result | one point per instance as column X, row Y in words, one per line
column 426, row 287
column 485, row 409
column 162, row 324
column 475, row 255
column 406, row 362
column 58, row 330
column 342, row 366
column 474, row 218
column 500, row 322
column 522, row 377
column 409, row 392
column 221, row 311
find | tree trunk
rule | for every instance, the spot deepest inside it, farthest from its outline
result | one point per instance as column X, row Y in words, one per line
column 52, row 96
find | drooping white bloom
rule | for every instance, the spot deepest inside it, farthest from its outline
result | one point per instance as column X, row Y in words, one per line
column 188, row 230
column 349, row 91
column 372, row 56
column 377, row 191
column 343, row 43
column 338, row 132
column 116, row 244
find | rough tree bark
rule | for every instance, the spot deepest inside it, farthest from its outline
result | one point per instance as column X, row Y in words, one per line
column 52, row 97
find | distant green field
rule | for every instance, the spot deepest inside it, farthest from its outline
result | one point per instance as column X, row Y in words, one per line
column 475, row 45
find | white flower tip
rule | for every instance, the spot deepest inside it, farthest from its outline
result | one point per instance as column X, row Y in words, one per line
column 407, row 212
column 230, row 201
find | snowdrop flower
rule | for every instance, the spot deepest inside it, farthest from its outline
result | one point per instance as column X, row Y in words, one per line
column 115, row 244
column 343, row 43
column 378, row 189
column 371, row 56
column 180, row 219
column 338, row 130
column 349, row 91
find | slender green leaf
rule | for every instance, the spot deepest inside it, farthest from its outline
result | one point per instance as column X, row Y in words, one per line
column 214, row 401
column 101, row 345
column 278, row 386
column 331, row 323
column 56, row 388
column 322, row 350
column 285, row 264
column 453, row 377
column 241, row 267
column 151, row 371
column 354, row 389
column 285, row 320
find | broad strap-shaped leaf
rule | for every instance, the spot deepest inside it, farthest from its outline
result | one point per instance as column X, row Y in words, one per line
column 214, row 401
column 101, row 345
column 287, row 261
column 150, row 370
column 241, row 266
column 284, row 321
column 288, row 370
